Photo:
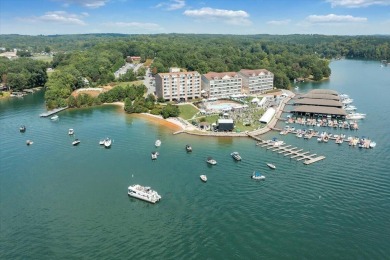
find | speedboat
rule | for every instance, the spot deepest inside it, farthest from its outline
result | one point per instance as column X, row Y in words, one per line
column 257, row 176
column 355, row 116
column 143, row 193
column 203, row 178
column 76, row 142
column 372, row 144
column 54, row 118
column 154, row 155
column 188, row 148
column 157, row 143
column 29, row 142
column 107, row 143
column 22, row 128
column 271, row 165
column 349, row 108
column 236, row 156
column 211, row 161
column 70, row 131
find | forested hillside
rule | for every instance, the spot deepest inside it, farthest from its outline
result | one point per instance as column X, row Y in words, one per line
column 91, row 59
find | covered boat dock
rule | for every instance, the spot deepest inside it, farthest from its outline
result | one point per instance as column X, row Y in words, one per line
column 315, row 111
column 318, row 102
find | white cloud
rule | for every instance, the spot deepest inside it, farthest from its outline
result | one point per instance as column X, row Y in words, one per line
column 172, row 5
column 60, row 17
column 229, row 16
column 332, row 18
column 86, row 3
column 357, row 3
column 279, row 22
column 134, row 25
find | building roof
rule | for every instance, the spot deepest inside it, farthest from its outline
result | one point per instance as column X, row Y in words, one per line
column 225, row 121
column 251, row 73
column 323, row 91
column 178, row 73
column 219, row 75
column 319, row 110
column 267, row 115
column 318, row 102
column 321, row 96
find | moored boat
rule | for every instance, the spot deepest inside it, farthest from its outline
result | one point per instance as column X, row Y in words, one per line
column 70, row 131
column 236, row 156
column 211, row 161
column 203, row 178
column 271, row 165
column 257, row 176
column 143, row 193
column 154, row 155
column 372, row 144
column 188, row 148
column 76, row 142
column 29, row 142
column 157, row 143
column 22, row 128
column 54, row 118
column 107, row 142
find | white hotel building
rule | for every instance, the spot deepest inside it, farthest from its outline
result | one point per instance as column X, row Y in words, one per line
column 257, row 81
column 178, row 85
column 221, row 85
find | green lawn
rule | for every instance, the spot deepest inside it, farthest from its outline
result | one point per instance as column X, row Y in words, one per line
column 187, row 111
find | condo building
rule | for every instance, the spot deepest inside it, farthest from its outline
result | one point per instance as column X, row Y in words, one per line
column 221, row 85
column 256, row 81
column 178, row 85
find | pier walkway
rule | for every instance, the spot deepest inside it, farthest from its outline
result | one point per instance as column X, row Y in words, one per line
column 287, row 150
column 52, row 112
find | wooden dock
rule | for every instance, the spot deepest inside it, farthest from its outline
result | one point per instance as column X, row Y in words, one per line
column 52, row 112
column 288, row 150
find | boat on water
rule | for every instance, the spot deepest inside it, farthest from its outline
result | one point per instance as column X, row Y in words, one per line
column 22, row 128
column 154, row 155
column 347, row 101
column 143, row 193
column 188, row 148
column 70, row 131
column 54, row 118
column 29, row 142
column 349, row 108
column 355, row 116
column 257, row 176
column 101, row 142
column 157, row 143
column 271, row 165
column 107, row 142
column 236, row 156
column 75, row 142
column 372, row 144
column 211, row 161
column 203, row 178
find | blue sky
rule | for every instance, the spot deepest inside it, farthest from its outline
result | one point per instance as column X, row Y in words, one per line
column 331, row 17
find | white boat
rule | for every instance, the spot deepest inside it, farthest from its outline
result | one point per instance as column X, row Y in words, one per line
column 257, row 176
column 143, row 193
column 154, row 155
column 347, row 101
column 76, row 142
column 157, row 143
column 107, row 143
column 349, row 108
column 70, row 131
column 355, row 116
column 188, row 148
column 372, row 144
column 55, row 117
column 101, row 142
column 211, row 161
column 236, row 156
column 22, row 128
column 271, row 165
column 29, row 142
column 203, row 178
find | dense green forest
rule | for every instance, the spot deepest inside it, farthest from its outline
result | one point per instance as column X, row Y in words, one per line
column 22, row 73
column 91, row 59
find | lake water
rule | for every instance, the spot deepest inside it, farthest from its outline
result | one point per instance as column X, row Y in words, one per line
column 60, row 201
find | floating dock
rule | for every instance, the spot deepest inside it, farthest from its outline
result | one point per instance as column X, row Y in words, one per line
column 287, row 150
column 52, row 112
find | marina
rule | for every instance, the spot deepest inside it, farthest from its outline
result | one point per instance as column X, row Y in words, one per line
column 52, row 112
